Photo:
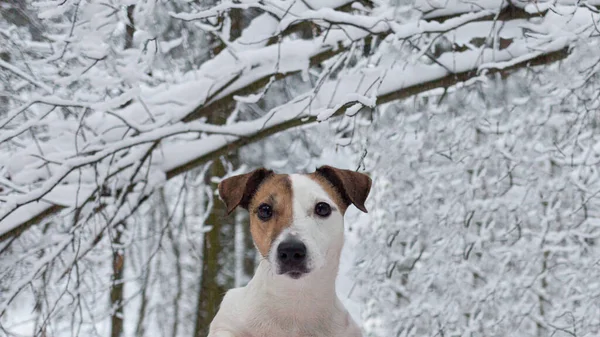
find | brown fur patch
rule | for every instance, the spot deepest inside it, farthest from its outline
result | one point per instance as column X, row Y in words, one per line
column 275, row 191
column 353, row 187
column 331, row 190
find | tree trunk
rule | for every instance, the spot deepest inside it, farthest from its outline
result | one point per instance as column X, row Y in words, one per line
column 245, row 253
column 218, row 244
column 129, row 29
column 250, row 252
column 118, row 255
column 218, row 252
column 116, row 288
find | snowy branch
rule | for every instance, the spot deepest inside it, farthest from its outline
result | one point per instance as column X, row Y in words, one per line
column 132, row 98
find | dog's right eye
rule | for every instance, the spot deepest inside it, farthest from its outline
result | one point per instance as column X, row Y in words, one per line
column 323, row 209
column 264, row 212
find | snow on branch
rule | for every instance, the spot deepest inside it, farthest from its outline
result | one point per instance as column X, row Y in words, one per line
column 128, row 97
column 96, row 144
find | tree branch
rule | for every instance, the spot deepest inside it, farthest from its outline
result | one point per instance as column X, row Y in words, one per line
column 444, row 82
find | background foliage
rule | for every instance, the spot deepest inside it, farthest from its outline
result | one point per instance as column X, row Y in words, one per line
column 477, row 120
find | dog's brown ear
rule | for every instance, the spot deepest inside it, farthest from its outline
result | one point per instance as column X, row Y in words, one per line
column 354, row 187
column 238, row 190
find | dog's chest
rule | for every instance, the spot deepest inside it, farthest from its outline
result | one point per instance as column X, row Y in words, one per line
column 298, row 321
column 249, row 313
column 250, row 316
column 293, row 325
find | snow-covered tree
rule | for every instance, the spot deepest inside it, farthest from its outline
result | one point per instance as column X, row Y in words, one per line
column 476, row 119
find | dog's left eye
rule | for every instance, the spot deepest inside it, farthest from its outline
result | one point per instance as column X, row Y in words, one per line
column 265, row 212
column 322, row 209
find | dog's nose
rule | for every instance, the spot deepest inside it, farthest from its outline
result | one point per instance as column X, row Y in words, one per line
column 291, row 252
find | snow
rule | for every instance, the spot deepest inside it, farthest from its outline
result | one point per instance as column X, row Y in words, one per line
column 361, row 100
column 373, row 24
column 440, row 8
column 23, row 214
column 471, row 188
column 8, row 66
column 257, row 33
column 263, row 62
column 465, row 33
column 281, row 9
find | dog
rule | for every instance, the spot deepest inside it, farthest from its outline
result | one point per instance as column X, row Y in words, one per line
column 297, row 224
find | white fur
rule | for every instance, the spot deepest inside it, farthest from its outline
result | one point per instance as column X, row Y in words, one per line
column 273, row 305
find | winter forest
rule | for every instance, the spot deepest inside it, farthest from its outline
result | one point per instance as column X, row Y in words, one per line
column 478, row 121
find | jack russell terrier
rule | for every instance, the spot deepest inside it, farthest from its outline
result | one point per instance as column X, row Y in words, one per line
column 297, row 223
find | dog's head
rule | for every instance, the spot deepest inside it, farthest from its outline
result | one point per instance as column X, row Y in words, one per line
column 297, row 220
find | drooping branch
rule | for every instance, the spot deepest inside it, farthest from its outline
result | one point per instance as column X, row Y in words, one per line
column 224, row 97
column 218, row 145
column 381, row 84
